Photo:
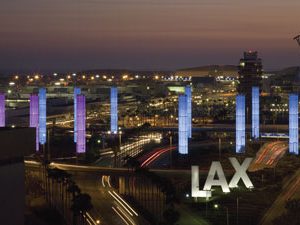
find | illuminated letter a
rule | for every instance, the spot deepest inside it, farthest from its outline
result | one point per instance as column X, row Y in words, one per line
column 216, row 169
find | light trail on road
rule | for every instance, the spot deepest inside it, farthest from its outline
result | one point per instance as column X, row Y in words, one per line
column 269, row 155
column 117, row 212
column 155, row 155
column 122, row 208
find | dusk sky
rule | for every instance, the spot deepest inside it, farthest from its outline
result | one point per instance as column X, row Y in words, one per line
column 70, row 35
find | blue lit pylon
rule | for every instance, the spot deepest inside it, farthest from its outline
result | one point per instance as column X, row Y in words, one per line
column 255, row 112
column 293, row 124
column 182, row 125
column 188, row 93
column 42, row 116
column 114, row 110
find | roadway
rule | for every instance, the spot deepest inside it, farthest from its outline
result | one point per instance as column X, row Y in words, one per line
column 132, row 148
column 225, row 127
column 108, row 206
column 269, row 155
column 290, row 190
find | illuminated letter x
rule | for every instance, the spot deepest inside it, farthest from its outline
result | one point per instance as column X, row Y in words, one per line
column 240, row 173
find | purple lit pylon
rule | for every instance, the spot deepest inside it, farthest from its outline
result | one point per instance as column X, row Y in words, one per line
column 77, row 91
column 81, row 135
column 34, row 116
column 2, row 110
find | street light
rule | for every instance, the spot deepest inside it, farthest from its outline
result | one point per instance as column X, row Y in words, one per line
column 216, row 206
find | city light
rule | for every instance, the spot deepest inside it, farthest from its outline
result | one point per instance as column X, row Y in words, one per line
column 114, row 109
column 255, row 112
column 77, row 91
column 182, row 125
column 81, row 130
column 2, row 110
column 240, row 124
column 42, row 116
column 34, row 116
column 293, row 124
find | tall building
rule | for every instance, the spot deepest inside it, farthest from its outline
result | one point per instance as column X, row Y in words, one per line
column 250, row 73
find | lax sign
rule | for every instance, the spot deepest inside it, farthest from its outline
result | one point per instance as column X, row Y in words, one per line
column 216, row 170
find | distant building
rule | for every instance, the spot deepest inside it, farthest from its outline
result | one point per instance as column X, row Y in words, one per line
column 250, row 74
column 229, row 71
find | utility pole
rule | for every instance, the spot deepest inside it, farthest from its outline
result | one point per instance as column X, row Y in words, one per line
column 227, row 216
column 237, row 210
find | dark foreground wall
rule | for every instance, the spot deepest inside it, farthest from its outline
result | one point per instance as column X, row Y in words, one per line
column 14, row 144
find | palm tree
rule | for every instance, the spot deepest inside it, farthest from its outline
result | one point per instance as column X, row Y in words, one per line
column 132, row 163
column 73, row 190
